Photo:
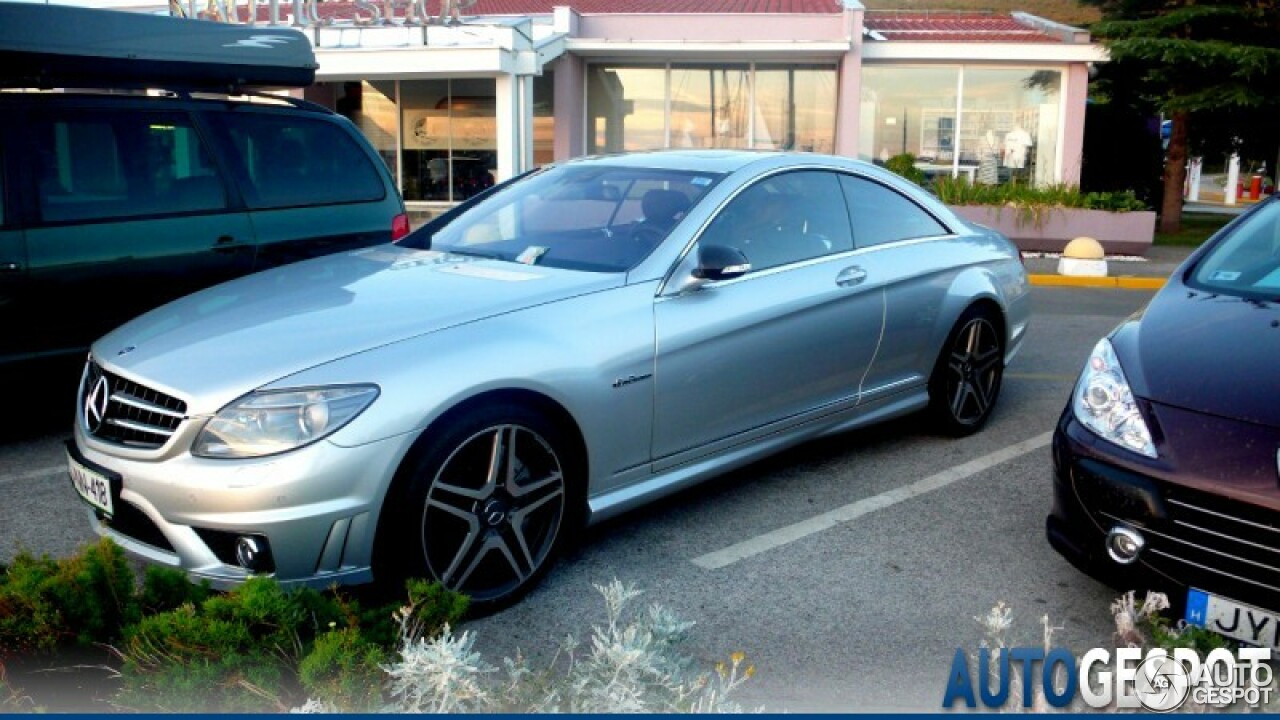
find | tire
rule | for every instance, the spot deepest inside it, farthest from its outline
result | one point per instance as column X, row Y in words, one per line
column 966, row 379
column 482, row 506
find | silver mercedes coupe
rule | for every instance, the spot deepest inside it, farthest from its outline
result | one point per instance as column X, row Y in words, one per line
column 570, row 345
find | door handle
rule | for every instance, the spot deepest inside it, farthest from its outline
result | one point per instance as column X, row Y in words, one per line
column 8, row 266
column 225, row 244
column 850, row 276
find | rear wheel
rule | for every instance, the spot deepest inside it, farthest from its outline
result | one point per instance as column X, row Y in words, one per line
column 966, row 379
column 486, row 506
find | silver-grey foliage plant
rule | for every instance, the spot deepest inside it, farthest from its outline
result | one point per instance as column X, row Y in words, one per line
column 630, row 663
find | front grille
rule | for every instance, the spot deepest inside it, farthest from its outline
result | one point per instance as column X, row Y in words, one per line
column 121, row 411
column 1216, row 543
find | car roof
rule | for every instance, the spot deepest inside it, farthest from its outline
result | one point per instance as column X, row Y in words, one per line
column 727, row 161
column 722, row 161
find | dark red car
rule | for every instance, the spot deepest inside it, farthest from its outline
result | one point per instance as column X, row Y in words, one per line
column 1167, row 456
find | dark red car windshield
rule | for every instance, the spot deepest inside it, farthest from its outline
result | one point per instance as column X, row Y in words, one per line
column 1246, row 262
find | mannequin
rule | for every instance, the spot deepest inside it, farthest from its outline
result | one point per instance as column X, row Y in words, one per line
column 1017, row 143
column 988, row 149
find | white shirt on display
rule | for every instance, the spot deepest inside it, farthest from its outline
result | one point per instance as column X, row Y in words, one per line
column 1016, row 144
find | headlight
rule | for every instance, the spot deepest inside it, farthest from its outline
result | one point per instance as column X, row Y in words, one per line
column 1103, row 402
column 274, row 421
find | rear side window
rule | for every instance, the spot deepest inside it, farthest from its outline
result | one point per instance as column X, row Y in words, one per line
column 292, row 161
column 880, row 215
column 107, row 164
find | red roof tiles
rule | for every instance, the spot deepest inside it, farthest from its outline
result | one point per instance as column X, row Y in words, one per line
column 952, row 28
column 908, row 27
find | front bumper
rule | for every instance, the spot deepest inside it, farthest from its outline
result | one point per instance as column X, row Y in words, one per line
column 317, row 507
column 1208, row 508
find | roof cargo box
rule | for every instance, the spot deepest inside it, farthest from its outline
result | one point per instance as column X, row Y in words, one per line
column 74, row 47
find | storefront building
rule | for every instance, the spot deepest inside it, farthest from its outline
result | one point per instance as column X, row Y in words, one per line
column 455, row 107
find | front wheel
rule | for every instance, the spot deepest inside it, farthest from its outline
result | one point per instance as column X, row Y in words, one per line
column 966, row 379
column 487, row 505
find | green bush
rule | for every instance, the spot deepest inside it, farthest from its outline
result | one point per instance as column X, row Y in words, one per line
column 904, row 164
column 183, row 647
column 959, row 191
column 87, row 597
column 168, row 589
column 259, row 647
column 344, row 670
column 232, row 652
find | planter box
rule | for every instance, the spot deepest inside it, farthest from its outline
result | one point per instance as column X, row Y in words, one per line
column 1121, row 233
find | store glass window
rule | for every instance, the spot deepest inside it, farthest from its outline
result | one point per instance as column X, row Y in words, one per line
column 796, row 108
column 710, row 106
column 626, row 109
column 789, row 107
column 1009, row 124
column 449, row 138
column 544, row 119
column 1003, row 128
column 909, row 110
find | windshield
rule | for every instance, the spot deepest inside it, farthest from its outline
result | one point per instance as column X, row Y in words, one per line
column 1246, row 262
column 578, row 217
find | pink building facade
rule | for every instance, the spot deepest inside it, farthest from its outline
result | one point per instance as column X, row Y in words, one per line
column 455, row 107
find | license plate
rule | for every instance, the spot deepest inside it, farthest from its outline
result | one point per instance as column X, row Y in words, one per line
column 1233, row 619
column 92, row 485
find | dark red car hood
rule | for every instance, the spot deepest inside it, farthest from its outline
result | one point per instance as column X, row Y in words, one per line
column 1206, row 352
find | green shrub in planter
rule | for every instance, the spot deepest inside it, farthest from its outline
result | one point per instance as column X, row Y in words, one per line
column 904, row 164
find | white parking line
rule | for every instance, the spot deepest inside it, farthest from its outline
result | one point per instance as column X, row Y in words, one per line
column 804, row 528
column 40, row 474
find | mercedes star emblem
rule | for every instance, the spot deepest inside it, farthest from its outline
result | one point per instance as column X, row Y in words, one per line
column 95, row 404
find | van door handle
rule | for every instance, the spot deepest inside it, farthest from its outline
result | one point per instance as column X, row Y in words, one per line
column 10, row 266
column 225, row 244
column 850, row 276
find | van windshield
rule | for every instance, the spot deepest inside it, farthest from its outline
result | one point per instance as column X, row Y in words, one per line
column 593, row 218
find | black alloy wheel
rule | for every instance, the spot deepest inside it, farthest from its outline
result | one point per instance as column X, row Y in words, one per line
column 489, row 504
column 966, row 380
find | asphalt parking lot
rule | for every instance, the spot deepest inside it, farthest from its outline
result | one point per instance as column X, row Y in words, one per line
column 848, row 570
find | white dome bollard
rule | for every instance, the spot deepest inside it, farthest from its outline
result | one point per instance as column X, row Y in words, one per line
column 1083, row 257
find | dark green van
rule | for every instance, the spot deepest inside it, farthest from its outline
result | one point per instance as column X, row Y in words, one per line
column 114, row 203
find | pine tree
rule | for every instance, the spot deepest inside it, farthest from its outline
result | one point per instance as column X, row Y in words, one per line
column 1195, row 56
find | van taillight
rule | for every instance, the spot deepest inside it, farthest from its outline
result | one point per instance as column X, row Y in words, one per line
column 399, row 227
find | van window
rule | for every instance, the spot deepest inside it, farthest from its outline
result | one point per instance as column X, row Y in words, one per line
column 293, row 161
column 103, row 164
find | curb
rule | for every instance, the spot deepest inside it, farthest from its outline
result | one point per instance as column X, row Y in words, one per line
column 1126, row 282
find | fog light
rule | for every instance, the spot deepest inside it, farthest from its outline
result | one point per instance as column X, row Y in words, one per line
column 250, row 552
column 1124, row 545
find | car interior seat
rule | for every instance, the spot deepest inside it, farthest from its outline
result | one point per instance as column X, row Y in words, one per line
column 661, row 208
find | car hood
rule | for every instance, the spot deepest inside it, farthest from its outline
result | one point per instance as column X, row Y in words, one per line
column 220, row 343
column 1206, row 352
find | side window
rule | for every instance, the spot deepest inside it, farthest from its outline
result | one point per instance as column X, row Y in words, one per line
column 784, row 219
column 107, row 164
column 292, row 161
column 881, row 215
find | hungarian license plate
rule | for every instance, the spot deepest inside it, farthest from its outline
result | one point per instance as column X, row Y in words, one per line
column 1233, row 619
column 91, row 485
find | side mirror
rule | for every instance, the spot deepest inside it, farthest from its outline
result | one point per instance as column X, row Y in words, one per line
column 720, row 262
